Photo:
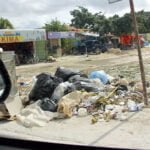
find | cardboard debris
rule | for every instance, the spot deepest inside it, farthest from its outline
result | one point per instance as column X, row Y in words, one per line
column 69, row 102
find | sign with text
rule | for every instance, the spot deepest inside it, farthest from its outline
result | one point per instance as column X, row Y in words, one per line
column 61, row 35
column 9, row 39
column 13, row 36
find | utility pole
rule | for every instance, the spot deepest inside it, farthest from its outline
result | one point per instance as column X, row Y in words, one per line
column 138, row 48
column 139, row 52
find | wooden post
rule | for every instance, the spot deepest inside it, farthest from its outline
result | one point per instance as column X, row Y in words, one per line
column 139, row 52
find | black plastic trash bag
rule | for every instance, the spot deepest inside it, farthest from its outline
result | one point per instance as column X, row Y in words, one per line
column 48, row 105
column 89, row 87
column 79, row 78
column 44, row 86
column 65, row 73
column 61, row 90
column 122, row 88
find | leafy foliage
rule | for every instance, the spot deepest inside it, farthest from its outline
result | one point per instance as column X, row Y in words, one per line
column 98, row 22
column 121, row 25
column 5, row 24
column 82, row 18
column 55, row 26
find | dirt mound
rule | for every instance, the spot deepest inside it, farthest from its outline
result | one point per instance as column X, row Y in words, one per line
column 116, row 51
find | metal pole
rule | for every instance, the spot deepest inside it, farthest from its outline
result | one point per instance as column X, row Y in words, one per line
column 86, row 51
column 139, row 52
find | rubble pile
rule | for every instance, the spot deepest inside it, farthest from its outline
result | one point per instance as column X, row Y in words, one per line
column 71, row 93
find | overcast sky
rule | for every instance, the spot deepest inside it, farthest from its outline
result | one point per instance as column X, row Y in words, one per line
column 34, row 13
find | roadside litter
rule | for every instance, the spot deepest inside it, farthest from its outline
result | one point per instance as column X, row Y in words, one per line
column 69, row 102
column 33, row 115
column 105, row 78
column 71, row 93
column 51, row 59
column 44, row 86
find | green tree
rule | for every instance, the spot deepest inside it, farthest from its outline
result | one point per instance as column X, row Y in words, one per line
column 100, row 24
column 97, row 22
column 124, row 24
column 143, row 19
column 114, row 23
column 121, row 25
column 5, row 24
column 147, row 24
column 82, row 18
column 55, row 26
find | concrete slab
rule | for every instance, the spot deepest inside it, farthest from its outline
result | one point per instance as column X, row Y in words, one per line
column 133, row 133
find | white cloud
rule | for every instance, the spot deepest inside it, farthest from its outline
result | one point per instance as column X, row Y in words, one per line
column 34, row 13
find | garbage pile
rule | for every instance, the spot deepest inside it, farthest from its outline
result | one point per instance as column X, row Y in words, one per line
column 70, row 93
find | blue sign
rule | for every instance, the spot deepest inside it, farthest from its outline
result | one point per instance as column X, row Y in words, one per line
column 61, row 35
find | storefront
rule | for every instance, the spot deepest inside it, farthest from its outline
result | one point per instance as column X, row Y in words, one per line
column 28, row 45
column 55, row 41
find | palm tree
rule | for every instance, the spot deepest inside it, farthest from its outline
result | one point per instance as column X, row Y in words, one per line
column 5, row 24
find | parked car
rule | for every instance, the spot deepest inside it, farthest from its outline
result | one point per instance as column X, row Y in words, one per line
column 90, row 46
